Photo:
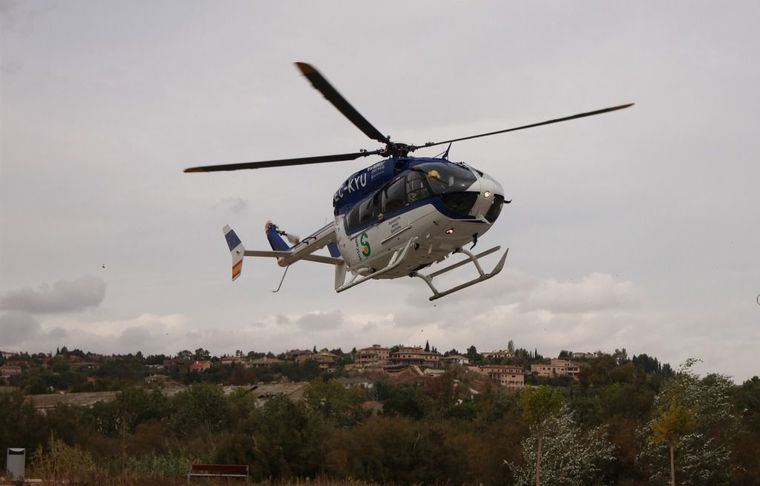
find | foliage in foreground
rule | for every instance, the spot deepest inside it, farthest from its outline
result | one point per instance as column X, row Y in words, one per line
column 570, row 454
column 612, row 427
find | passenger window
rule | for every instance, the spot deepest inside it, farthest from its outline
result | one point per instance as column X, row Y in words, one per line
column 377, row 205
column 395, row 196
column 366, row 211
column 352, row 218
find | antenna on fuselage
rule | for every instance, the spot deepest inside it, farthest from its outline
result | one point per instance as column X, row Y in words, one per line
column 446, row 153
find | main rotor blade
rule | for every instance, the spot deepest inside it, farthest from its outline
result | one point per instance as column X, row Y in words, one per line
column 338, row 101
column 281, row 162
column 556, row 120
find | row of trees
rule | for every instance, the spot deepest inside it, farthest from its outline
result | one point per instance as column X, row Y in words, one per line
column 618, row 425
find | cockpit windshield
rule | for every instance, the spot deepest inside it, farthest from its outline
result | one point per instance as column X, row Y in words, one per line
column 446, row 177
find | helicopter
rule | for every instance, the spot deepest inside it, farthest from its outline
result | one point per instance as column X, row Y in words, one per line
column 396, row 217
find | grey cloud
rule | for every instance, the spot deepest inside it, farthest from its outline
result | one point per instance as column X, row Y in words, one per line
column 528, row 293
column 7, row 8
column 58, row 333
column 235, row 204
column 320, row 321
column 62, row 296
column 512, row 284
column 369, row 327
column 282, row 320
column 17, row 327
column 135, row 337
column 10, row 68
column 412, row 317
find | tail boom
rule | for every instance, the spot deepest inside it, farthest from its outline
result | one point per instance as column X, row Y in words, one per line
column 285, row 255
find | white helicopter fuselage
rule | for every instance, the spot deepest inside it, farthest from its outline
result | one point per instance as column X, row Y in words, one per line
column 436, row 235
column 392, row 223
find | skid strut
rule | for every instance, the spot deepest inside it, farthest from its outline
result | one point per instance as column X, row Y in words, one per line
column 470, row 258
column 398, row 257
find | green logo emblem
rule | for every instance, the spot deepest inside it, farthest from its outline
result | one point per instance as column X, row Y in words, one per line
column 366, row 249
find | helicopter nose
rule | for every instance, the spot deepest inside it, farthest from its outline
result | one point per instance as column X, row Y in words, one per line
column 490, row 199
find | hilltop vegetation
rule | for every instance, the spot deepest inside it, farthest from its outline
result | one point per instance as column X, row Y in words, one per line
column 615, row 424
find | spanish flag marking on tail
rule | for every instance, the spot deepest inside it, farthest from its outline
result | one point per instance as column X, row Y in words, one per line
column 237, row 269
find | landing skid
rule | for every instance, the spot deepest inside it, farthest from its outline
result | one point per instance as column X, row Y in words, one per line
column 470, row 258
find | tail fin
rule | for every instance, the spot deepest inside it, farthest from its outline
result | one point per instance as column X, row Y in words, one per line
column 237, row 250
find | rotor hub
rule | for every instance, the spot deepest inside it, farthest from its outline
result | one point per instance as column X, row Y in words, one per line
column 397, row 149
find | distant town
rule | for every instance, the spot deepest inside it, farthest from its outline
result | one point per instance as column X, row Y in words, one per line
column 77, row 377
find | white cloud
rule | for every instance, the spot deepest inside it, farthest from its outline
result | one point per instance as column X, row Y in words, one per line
column 595, row 292
column 609, row 322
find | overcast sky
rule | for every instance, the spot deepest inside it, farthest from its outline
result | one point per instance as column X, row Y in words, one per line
column 636, row 229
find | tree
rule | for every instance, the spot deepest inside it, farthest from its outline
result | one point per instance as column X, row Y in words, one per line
column 335, row 402
column 539, row 405
column 473, row 355
column 404, row 400
column 672, row 424
column 288, row 440
column 427, row 346
column 747, row 460
column 695, row 421
column 200, row 409
column 620, row 356
column 571, row 454
column 19, row 423
column 511, row 347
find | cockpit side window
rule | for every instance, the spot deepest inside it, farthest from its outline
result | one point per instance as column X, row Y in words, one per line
column 416, row 187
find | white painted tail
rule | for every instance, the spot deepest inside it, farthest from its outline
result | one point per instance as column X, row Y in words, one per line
column 237, row 250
